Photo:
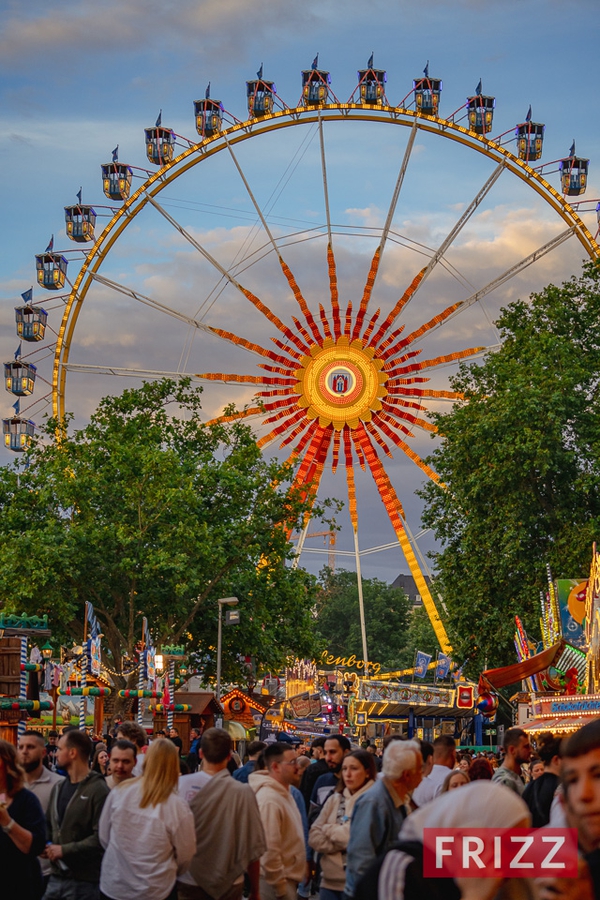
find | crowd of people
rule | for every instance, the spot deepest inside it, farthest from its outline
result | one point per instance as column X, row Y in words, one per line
column 82, row 820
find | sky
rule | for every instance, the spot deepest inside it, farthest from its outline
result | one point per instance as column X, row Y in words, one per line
column 79, row 78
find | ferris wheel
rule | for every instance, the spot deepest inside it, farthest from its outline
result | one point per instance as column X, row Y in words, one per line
column 323, row 264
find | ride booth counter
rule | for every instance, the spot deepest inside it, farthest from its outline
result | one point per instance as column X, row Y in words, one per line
column 203, row 709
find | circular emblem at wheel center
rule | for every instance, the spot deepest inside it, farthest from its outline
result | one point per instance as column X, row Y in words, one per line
column 341, row 383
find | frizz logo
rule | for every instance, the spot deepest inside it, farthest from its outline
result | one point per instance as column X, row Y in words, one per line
column 500, row 852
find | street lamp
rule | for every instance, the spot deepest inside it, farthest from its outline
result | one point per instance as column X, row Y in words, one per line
column 223, row 601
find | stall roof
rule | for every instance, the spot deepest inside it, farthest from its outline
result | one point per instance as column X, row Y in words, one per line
column 561, row 724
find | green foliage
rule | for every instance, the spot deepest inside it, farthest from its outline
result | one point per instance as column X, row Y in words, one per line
column 150, row 512
column 520, row 459
column 338, row 620
column 420, row 636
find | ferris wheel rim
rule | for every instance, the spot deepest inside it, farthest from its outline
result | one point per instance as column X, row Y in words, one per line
column 242, row 131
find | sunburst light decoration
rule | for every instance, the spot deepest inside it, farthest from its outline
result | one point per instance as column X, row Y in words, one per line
column 350, row 384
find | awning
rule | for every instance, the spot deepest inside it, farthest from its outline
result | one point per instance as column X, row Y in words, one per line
column 510, row 674
column 236, row 730
column 561, row 724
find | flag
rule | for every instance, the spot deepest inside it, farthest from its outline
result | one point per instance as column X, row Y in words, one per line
column 79, row 195
column 572, row 150
column 528, row 116
column 18, row 351
column 28, row 296
column 92, row 620
column 115, row 154
column 166, row 694
column 426, row 70
column 370, row 63
column 159, row 120
column 207, row 91
column 479, row 88
column 443, row 666
column 50, row 246
column 17, row 407
column 315, row 62
column 421, row 663
column 260, row 72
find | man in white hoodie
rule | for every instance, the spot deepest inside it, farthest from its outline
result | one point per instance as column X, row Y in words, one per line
column 283, row 865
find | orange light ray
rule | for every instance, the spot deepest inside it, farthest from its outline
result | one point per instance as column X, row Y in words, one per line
column 393, row 315
column 287, row 349
column 277, row 369
column 390, row 339
column 396, row 380
column 324, row 322
column 242, row 414
column 368, row 290
column 396, row 424
column 384, row 486
column 371, row 326
column 401, row 401
column 352, row 508
column 421, row 392
column 298, row 416
column 419, row 332
column 396, row 514
column 335, row 453
column 402, row 359
column 379, row 421
column 244, row 379
column 408, row 417
column 438, row 361
column 254, row 348
column 333, row 288
column 301, row 301
column 270, row 315
column 375, row 434
column 310, row 427
column 320, row 435
column 302, row 331
column 278, row 393
column 280, row 414
column 348, row 323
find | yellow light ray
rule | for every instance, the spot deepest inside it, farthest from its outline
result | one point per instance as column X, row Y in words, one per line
column 393, row 315
column 431, row 363
column 366, row 297
column 333, row 289
column 419, row 332
column 382, row 423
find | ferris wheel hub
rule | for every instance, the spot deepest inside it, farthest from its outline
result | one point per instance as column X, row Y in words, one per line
column 341, row 383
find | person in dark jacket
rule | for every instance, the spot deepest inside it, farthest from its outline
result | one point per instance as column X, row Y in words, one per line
column 317, row 768
column 23, row 831
column 539, row 794
column 73, row 817
column 255, row 748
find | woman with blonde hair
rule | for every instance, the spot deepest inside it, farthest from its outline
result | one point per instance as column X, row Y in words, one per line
column 23, row 834
column 147, row 831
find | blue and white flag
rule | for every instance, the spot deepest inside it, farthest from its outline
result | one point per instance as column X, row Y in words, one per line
column 207, row 91
column 18, row 352
column 27, row 296
column 370, row 63
column 159, row 120
column 115, row 154
column 528, row 116
column 479, row 88
column 259, row 74
column 421, row 663
column 443, row 666
column 50, row 246
column 315, row 62
column 79, row 193
column 17, row 407
column 572, row 150
column 426, row 70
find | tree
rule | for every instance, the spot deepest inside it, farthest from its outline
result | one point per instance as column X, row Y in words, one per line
column 338, row 620
column 146, row 512
column 420, row 636
column 520, row 464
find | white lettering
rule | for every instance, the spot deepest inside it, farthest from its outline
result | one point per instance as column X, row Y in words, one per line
column 497, row 851
column 441, row 851
column 472, row 850
column 547, row 861
column 527, row 841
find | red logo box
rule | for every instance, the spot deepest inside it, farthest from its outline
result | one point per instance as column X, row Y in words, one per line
column 500, row 852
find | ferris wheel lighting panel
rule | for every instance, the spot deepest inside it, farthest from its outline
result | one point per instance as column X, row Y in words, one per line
column 18, row 433
column 31, row 322
column 19, row 378
column 80, row 222
column 573, row 175
column 116, row 180
column 530, row 139
column 51, row 270
column 427, row 95
column 209, row 116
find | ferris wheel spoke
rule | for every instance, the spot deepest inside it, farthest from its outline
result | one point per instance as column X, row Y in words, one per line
column 511, row 273
column 438, row 361
column 375, row 262
column 251, row 413
column 385, row 423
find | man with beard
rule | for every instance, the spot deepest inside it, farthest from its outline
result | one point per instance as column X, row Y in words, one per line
column 337, row 746
column 31, row 752
column 517, row 751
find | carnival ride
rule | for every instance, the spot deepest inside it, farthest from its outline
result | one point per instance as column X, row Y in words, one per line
column 344, row 384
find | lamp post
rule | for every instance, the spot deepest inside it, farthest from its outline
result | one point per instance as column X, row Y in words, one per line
column 223, row 601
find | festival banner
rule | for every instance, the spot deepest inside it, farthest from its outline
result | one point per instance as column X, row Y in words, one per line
column 421, row 662
column 443, row 665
